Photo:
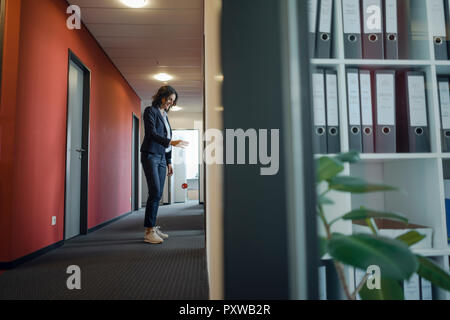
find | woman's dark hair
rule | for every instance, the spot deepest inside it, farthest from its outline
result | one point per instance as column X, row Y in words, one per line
column 164, row 92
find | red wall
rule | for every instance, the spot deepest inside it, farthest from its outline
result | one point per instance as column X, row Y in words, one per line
column 38, row 138
column 7, row 122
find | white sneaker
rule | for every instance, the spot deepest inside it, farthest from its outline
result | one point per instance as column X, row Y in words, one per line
column 151, row 236
column 160, row 233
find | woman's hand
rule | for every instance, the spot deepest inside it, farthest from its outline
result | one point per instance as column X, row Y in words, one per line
column 179, row 143
column 169, row 170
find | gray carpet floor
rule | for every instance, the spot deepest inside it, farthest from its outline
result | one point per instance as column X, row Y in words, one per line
column 116, row 263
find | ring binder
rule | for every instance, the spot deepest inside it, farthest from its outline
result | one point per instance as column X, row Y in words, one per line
column 354, row 110
column 320, row 136
column 323, row 43
column 312, row 7
column 352, row 29
column 426, row 290
column 411, row 288
column 413, row 131
column 366, row 111
column 373, row 29
column 385, row 135
column 333, row 136
column 391, row 27
column 438, row 29
column 447, row 24
column 444, row 101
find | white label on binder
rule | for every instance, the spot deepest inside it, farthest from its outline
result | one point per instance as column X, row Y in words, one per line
column 359, row 276
column 417, row 101
column 352, row 21
column 427, row 291
column 332, row 100
column 385, row 100
column 444, row 95
column 354, row 113
column 411, row 288
column 319, row 99
column 312, row 15
column 326, row 12
column 366, row 99
column 447, row 189
column 437, row 16
column 322, row 283
column 372, row 16
column 391, row 16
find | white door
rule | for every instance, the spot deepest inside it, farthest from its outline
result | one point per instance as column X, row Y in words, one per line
column 74, row 151
column 179, row 173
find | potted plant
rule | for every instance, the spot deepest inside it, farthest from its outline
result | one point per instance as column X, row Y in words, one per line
column 394, row 257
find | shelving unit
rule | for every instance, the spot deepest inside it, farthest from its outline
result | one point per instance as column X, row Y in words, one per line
column 420, row 175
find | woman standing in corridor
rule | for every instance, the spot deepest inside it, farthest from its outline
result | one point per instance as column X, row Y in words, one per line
column 156, row 155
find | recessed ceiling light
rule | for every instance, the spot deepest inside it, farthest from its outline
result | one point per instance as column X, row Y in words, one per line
column 175, row 109
column 163, row 77
column 135, row 3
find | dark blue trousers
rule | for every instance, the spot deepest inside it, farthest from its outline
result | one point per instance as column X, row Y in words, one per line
column 155, row 172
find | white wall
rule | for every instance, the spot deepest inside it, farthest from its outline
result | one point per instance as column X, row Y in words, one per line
column 184, row 120
column 214, row 173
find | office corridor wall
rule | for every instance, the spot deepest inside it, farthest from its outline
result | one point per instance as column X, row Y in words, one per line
column 33, row 124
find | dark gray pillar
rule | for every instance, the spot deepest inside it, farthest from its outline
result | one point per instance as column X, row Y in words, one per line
column 269, row 221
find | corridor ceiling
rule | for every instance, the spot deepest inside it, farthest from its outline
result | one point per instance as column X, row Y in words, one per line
column 165, row 36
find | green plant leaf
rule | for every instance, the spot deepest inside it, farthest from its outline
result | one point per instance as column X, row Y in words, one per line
column 351, row 157
column 356, row 185
column 411, row 238
column 328, row 168
column 322, row 246
column 393, row 257
column 390, row 290
column 364, row 213
column 429, row 270
column 322, row 200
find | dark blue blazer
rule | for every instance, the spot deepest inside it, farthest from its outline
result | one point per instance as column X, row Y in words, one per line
column 155, row 140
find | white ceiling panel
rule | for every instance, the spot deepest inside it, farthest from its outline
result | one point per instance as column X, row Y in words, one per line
column 184, row 77
column 154, row 53
column 149, row 43
column 147, row 31
column 164, row 36
column 150, row 72
column 141, row 16
column 151, row 4
column 152, row 63
column 184, row 93
column 142, row 85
